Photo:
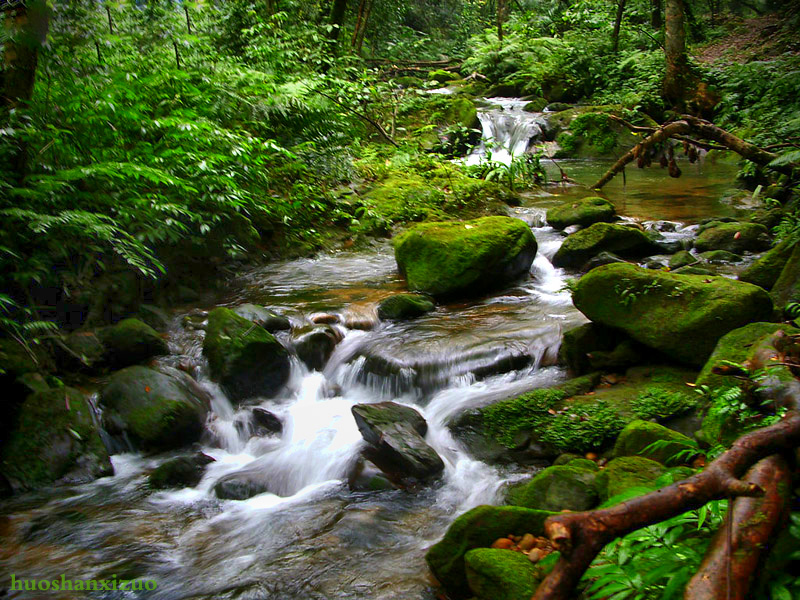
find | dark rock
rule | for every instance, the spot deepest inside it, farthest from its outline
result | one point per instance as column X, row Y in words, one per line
column 246, row 359
column 787, row 288
column 180, row 472
column 241, row 485
column 131, row 342
column 684, row 258
column 404, row 306
column 263, row 317
column 154, row 410
column 6, row 491
column 604, row 258
column 395, row 432
column 367, row 477
column 85, row 352
column 580, row 344
column 266, row 422
column 314, row 347
column 54, row 440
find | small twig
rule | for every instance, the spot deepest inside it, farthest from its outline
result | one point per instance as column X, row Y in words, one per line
column 372, row 122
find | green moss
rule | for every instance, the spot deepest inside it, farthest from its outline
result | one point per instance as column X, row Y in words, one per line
column 733, row 237
column 557, row 488
column 501, row 574
column 464, row 258
column 720, row 256
column 404, row 306
column 660, row 403
column 734, row 346
column 583, row 212
column 442, row 76
column 15, row 360
column 54, row 435
column 579, row 247
column 536, row 105
column 682, row 316
column 787, row 288
column 639, row 435
column 478, row 528
column 628, row 472
column 764, row 271
column 680, row 259
column 583, row 463
column 505, row 420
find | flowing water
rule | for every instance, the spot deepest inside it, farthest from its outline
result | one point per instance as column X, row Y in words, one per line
column 314, row 538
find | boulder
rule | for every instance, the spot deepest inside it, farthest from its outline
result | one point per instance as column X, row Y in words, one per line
column 315, row 346
column 452, row 259
column 734, row 346
column 247, row 360
column 766, row 270
column 54, row 439
column 682, row 316
column 787, row 288
column 556, row 489
column 478, row 528
column 501, row 574
column 628, row 472
column 395, row 432
column 85, row 352
column 131, row 342
column 734, row 237
column 684, row 258
column 578, row 344
column 584, row 212
column 404, row 306
column 638, row 435
column 622, row 240
column 266, row 423
column 154, row 410
column 263, row 317
column 535, row 105
column 604, row 258
column 179, row 472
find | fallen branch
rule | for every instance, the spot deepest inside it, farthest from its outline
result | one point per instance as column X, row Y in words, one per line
column 687, row 128
column 729, row 565
column 581, row 536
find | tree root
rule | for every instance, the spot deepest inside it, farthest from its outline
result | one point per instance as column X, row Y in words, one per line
column 581, row 536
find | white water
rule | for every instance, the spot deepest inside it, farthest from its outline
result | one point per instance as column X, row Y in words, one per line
column 507, row 132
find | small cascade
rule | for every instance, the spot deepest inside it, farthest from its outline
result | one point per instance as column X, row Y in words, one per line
column 508, row 131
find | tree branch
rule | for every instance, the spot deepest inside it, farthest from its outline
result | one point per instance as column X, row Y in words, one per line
column 362, row 116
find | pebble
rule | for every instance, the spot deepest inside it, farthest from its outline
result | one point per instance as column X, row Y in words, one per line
column 527, row 542
column 536, row 555
column 503, row 544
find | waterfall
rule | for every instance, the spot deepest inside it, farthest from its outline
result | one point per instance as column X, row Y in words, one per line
column 507, row 130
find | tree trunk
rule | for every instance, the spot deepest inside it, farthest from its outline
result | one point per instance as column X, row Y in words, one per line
column 655, row 14
column 501, row 10
column 677, row 76
column 617, row 25
column 337, row 19
column 364, row 20
column 28, row 29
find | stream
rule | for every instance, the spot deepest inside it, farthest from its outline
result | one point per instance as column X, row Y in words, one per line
column 318, row 539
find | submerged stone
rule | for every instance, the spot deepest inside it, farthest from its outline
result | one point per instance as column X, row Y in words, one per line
column 404, row 306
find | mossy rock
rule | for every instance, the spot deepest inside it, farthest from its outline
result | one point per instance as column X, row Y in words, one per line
column 628, row 472
column 501, row 574
column 247, row 360
column 787, row 288
column 404, row 306
column 766, row 270
column 693, row 270
column 638, row 435
column 681, row 316
column 584, row 212
column 442, row 76
column 406, row 198
column 131, row 342
column 536, row 105
column 54, row 439
column 625, row 241
column 509, row 430
column 478, row 528
column 684, row 258
column 557, row 488
column 457, row 259
column 735, row 237
column 720, row 256
column 734, row 346
column 582, row 463
column 154, row 410
column 15, row 360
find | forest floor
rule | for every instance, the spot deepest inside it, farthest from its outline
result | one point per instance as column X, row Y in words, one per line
column 757, row 38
